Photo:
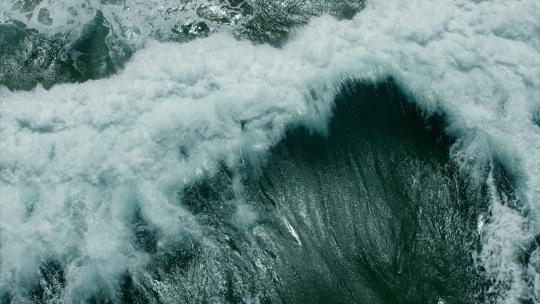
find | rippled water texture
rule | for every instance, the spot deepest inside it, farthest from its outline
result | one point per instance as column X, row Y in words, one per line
column 373, row 212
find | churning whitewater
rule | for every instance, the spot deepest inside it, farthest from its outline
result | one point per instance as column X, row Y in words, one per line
column 80, row 163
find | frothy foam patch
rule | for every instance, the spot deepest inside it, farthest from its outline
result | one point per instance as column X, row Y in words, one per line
column 82, row 163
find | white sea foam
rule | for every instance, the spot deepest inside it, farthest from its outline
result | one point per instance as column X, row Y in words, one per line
column 78, row 161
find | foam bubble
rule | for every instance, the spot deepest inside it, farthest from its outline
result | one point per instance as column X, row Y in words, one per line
column 82, row 163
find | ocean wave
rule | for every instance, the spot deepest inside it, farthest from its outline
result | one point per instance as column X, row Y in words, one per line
column 81, row 161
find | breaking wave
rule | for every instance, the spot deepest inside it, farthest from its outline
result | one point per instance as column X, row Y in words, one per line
column 390, row 157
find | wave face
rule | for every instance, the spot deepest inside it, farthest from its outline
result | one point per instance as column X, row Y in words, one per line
column 221, row 170
column 373, row 212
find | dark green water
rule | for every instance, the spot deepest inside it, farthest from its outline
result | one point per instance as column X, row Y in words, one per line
column 30, row 57
column 382, row 214
column 374, row 212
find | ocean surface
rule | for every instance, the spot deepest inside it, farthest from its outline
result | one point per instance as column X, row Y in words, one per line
column 259, row 151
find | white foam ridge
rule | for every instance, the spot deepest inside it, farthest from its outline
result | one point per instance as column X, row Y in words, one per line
column 79, row 162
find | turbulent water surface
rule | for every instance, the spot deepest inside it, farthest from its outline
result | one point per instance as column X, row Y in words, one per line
column 212, row 151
